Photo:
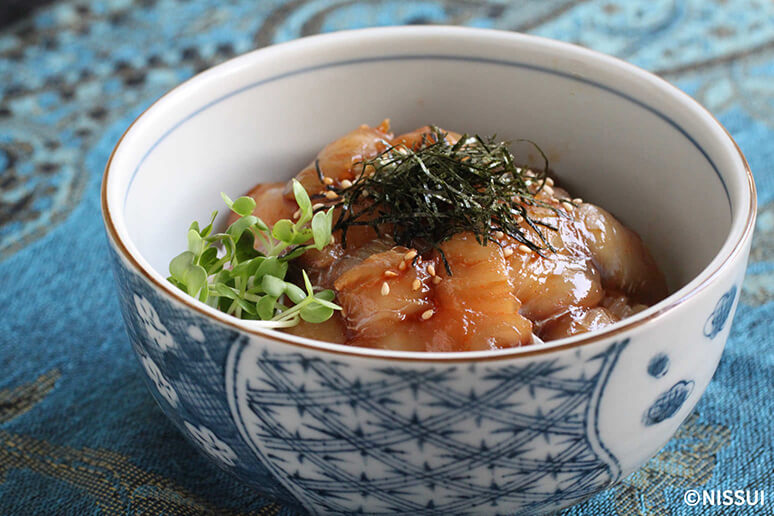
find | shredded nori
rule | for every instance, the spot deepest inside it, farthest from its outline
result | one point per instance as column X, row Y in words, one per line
column 428, row 194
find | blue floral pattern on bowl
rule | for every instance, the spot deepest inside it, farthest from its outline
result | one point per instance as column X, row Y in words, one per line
column 719, row 316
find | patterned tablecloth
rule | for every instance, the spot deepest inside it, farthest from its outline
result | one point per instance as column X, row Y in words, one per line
column 79, row 434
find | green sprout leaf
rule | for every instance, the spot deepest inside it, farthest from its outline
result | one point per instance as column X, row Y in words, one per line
column 295, row 253
column 209, row 260
column 228, row 272
column 208, row 228
column 265, row 307
column 307, row 283
column 180, row 264
column 261, row 225
column 321, row 230
column 295, row 293
column 195, row 242
column 316, row 313
column 246, row 306
column 243, row 206
column 245, row 247
column 227, row 200
column 273, row 286
column 272, row 267
column 283, row 230
column 224, row 290
column 326, row 295
column 195, row 279
column 303, row 201
column 240, row 226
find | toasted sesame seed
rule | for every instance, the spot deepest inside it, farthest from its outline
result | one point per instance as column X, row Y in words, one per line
column 549, row 181
column 431, row 269
column 507, row 252
column 327, row 180
column 524, row 249
column 436, row 280
column 333, row 240
column 346, row 183
column 519, row 219
column 365, row 193
column 330, row 194
column 402, row 266
column 317, row 206
column 410, row 255
column 427, row 314
column 578, row 200
column 385, row 289
column 416, row 284
column 499, row 234
column 296, row 214
column 390, row 274
column 548, row 190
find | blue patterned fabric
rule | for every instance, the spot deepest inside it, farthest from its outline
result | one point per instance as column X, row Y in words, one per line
column 79, row 433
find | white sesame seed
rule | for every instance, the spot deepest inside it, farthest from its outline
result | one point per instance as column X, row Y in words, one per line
column 548, row 190
column 327, row 180
column 317, row 206
column 365, row 193
column 431, row 269
column 330, row 194
column 519, row 219
column 402, row 266
column 410, row 255
column 416, row 285
column 507, row 252
column 346, row 183
column 436, row 280
column 385, row 289
column 333, row 240
column 549, row 181
column 296, row 214
column 390, row 274
column 578, row 200
column 524, row 249
column 427, row 314
column 499, row 234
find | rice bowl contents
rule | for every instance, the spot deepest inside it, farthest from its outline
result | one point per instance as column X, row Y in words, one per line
column 427, row 241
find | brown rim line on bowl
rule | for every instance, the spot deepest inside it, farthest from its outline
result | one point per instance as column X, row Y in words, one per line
column 729, row 249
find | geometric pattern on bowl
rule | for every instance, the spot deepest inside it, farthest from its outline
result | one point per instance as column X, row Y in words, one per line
column 488, row 452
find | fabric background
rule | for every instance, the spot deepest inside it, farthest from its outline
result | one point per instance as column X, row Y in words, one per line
column 79, row 434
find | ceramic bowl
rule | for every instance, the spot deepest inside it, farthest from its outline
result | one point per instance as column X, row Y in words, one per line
column 333, row 428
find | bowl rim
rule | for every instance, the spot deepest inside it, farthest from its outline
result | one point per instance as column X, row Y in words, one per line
column 619, row 328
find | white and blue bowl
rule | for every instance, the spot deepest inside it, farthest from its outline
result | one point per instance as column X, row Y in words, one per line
column 339, row 429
